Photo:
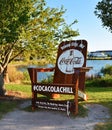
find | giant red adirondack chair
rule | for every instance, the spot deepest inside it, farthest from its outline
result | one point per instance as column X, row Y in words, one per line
column 69, row 77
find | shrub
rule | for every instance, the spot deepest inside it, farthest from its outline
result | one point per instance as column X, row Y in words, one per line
column 14, row 74
column 107, row 70
column 100, row 82
column 49, row 79
column 103, row 81
column 26, row 76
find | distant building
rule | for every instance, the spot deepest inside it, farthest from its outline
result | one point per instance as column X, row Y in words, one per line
column 97, row 54
column 107, row 52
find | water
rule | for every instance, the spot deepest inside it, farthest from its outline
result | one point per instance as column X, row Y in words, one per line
column 97, row 65
column 43, row 75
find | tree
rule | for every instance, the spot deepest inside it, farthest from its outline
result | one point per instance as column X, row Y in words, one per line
column 29, row 27
column 103, row 11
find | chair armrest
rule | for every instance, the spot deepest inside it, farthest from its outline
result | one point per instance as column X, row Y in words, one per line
column 33, row 72
column 45, row 69
column 83, row 69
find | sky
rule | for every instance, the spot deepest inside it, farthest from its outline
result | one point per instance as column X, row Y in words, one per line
column 89, row 26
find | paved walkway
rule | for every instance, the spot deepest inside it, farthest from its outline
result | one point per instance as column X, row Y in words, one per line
column 53, row 120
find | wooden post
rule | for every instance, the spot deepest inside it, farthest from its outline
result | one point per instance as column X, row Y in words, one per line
column 34, row 97
column 33, row 77
column 76, row 85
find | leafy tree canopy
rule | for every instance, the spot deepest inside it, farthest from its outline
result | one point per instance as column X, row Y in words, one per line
column 30, row 27
column 103, row 11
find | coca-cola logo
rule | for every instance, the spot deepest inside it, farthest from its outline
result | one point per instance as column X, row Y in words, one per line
column 69, row 60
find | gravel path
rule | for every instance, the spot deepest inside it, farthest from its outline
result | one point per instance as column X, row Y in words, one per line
column 51, row 120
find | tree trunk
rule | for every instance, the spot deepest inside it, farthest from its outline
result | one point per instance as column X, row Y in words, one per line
column 5, row 75
column 2, row 87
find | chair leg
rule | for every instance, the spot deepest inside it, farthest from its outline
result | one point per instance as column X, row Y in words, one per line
column 76, row 104
column 34, row 97
column 76, row 92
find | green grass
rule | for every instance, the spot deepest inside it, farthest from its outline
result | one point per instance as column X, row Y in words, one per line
column 104, row 126
column 26, row 89
column 7, row 106
column 99, row 95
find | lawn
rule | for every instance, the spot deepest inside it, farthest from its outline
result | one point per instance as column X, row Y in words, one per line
column 99, row 95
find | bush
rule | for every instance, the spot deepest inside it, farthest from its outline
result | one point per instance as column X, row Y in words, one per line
column 49, row 79
column 100, row 82
column 26, row 76
column 107, row 70
column 14, row 74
